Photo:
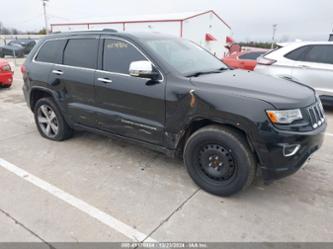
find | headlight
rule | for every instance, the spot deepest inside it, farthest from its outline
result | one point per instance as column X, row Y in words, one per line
column 285, row 116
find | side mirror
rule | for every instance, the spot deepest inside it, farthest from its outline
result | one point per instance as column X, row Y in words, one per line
column 143, row 69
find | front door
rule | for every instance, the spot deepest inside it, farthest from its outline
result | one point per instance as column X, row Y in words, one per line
column 128, row 106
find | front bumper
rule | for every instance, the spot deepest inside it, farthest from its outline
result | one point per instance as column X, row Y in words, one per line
column 274, row 163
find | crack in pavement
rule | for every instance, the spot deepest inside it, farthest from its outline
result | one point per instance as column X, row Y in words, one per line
column 173, row 213
column 27, row 229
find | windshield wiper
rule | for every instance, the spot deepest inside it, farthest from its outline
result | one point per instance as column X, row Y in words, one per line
column 196, row 74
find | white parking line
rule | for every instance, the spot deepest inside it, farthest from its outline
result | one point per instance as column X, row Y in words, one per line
column 329, row 134
column 101, row 216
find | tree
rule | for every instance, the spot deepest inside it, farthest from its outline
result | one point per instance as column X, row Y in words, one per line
column 42, row 32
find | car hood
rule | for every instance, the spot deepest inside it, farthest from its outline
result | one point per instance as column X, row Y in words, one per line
column 282, row 94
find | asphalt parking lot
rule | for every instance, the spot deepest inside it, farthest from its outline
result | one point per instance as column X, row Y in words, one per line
column 93, row 188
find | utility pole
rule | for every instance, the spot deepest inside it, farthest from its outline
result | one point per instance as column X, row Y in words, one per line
column 274, row 33
column 45, row 16
column 0, row 32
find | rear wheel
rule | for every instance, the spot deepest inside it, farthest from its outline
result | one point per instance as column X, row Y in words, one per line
column 219, row 160
column 50, row 122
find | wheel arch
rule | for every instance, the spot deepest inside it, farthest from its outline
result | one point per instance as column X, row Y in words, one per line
column 197, row 124
column 37, row 93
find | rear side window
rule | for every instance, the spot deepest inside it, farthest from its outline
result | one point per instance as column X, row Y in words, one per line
column 118, row 56
column 251, row 56
column 81, row 53
column 51, row 51
column 320, row 54
column 297, row 54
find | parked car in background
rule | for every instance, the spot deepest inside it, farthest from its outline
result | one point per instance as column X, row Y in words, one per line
column 13, row 49
column 310, row 63
column 27, row 44
column 243, row 60
column 6, row 74
column 170, row 95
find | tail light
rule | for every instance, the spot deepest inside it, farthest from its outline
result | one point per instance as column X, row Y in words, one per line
column 23, row 69
column 5, row 68
column 265, row 61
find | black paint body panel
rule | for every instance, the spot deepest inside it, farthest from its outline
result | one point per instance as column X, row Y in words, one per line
column 158, row 113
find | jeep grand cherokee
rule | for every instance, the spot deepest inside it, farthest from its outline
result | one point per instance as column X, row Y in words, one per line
column 173, row 96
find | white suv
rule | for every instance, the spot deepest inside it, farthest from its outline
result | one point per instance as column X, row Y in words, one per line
column 310, row 63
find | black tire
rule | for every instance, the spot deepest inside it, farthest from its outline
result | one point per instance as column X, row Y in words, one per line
column 5, row 86
column 233, row 167
column 63, row 130
column 2, row 55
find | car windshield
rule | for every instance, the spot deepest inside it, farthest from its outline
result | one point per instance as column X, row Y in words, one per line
column 185, row 56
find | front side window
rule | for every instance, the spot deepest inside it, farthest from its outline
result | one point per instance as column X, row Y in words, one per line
column 81, row 53
column 51, row 51
column 320, row 54
column 184, row 56
column 118, row 56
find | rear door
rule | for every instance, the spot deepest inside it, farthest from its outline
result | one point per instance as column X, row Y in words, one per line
column 315, row 68
column 75, row 78
column 49, row 54
column 128, row 106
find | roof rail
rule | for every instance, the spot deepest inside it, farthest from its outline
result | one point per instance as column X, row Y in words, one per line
column 110, row 30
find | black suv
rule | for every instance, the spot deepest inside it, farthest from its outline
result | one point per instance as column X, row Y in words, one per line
column 175, row 97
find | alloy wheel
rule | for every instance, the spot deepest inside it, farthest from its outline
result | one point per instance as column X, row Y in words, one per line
column 47, row 121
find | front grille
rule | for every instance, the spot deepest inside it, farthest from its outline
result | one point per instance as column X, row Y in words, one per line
column 317, row 115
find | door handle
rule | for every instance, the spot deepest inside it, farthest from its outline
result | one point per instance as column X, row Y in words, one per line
column 104, row 80
column 58, row 72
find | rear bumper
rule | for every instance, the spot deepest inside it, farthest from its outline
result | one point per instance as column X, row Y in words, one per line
column 6, row 78
column 274, row 162
column 26, row 94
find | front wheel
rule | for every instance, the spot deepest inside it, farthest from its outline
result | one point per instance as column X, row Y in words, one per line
column 50, row 122
column 219, row 160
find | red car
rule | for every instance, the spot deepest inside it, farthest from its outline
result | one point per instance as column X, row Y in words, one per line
column 246, row 60
column 6, row 74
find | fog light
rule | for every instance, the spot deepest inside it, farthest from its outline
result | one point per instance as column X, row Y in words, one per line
column 290, row 149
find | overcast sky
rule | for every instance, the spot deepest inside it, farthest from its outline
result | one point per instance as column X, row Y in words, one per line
column 249, row 19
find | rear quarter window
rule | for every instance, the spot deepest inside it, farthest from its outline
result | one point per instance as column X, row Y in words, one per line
column 297, row 54
column 51, row 51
